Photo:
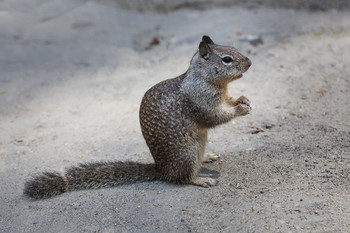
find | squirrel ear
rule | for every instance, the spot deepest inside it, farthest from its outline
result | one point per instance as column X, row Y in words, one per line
column 204, row 50
column 207, row 40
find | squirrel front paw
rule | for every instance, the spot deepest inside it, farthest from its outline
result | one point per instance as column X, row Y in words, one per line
column 242, row 100
column 242, row 109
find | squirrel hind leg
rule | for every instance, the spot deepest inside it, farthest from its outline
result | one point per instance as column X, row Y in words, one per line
column 185, row 171
column 183, row 166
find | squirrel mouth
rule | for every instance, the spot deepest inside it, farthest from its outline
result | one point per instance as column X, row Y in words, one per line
column 232, row 78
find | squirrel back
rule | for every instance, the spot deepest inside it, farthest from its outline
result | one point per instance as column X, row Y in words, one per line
column 175, row 116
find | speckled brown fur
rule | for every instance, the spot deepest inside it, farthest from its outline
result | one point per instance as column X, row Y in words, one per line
column 175, row 116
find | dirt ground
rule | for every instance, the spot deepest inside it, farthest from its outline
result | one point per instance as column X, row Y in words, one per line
column 72, row 77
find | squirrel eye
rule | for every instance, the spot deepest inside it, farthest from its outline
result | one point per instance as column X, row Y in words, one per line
column 227, row 59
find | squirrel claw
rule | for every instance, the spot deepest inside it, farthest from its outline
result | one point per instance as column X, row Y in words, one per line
column 243, row 100
column 242, row 109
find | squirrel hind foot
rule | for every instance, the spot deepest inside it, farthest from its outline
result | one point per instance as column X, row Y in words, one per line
column 204, row 182
column 210, row 157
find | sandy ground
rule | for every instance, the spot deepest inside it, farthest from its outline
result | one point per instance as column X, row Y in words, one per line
column 72, row 77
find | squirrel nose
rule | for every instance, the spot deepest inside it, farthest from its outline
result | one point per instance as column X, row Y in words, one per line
column 249, row 63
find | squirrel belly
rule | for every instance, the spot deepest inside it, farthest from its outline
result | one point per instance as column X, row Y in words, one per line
column 175, row 116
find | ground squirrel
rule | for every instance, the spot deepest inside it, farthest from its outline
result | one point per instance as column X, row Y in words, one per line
column 175, row 116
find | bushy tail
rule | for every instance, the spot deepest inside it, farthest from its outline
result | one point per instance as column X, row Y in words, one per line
column 88, row 176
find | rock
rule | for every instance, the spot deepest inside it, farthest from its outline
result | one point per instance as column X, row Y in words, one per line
column 272, row 181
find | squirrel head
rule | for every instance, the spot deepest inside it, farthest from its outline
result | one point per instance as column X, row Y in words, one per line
column 220, row 64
